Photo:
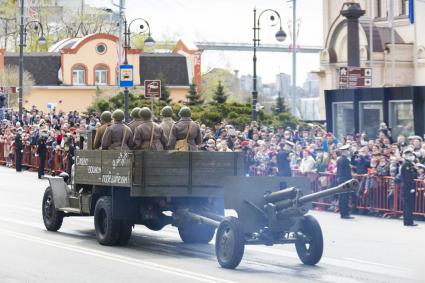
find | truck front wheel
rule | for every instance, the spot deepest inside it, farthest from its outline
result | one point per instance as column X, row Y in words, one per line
column 51, row 217
column 107, row 229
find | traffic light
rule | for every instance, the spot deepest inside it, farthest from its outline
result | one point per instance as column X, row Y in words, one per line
column 2, row 98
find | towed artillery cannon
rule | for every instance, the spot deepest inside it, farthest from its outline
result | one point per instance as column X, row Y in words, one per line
column 125, row 188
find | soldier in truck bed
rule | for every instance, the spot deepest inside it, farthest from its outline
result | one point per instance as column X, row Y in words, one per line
column 167, row 120
column 185, row 134
column 135, row 114
column 117, row 135
column 105, row 120
column 149, row 135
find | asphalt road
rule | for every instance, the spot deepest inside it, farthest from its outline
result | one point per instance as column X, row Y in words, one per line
column 365, row 249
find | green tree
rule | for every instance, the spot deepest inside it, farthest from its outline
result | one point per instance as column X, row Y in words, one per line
column 219, row 96
column 193, row 97
column 280, row 106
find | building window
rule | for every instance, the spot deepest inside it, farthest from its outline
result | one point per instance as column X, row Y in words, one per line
column 101, row 48
column 371, row 116
column 343, row 118
column 401, row 118
column 78, row 75
column 101, row 75
column 379, row 8
column 404, row 8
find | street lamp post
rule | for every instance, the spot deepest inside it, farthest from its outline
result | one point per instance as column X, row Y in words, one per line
column 22, row 44
column 148, row 42
column 280, row 36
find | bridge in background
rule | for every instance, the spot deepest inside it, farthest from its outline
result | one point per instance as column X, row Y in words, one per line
column 237, row 46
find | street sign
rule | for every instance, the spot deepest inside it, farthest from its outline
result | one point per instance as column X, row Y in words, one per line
column 355, row 77
column 152, row 88
column 8, row 89
column 126, row 76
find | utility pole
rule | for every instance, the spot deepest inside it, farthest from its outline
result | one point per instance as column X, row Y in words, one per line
column 294, row 59
column 391, row 21
column 371, row 11
column 21, row 61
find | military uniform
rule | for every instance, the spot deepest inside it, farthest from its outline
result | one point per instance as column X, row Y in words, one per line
column 143, row 136
column 179, row 132
column 343, row 174
column 166, row 125
column 408, row 174
column 117, row 135
column 135, row 114
column 106, row 119
column 41, row 151
column 99, row 135
column 18, row 152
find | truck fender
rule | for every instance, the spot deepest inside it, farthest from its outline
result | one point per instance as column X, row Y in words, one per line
column 60, row 192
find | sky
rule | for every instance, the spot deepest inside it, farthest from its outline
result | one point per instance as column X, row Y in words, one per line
column 232, row 21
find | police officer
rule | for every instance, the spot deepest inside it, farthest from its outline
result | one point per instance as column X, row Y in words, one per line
column 167, row 120
column 41, row 151
column 18, row 150
column 117, row 135
column 185, row 134
column 408, row 174
column 149, row 135
column 135, row 114
column 343, row 174
column 105, row 120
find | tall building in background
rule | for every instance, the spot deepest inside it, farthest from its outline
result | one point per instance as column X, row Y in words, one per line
column 246, row 83
column 283, row 84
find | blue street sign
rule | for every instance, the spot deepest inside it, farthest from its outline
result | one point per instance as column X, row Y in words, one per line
column 126, row 76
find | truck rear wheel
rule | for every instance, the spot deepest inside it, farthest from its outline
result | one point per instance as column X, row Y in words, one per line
column 51, row 217
column 309, row 245
column 125, row 232
column 192, row 232
column 229, row 243
column 108, row 230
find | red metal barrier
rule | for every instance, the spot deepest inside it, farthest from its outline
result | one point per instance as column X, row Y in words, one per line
column 420, row 198
column 2, row 154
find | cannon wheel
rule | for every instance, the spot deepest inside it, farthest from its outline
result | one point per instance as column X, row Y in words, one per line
column 229, row 243
column 51, row 217
column 192, row 232
column 310, row 247
column 108, row 230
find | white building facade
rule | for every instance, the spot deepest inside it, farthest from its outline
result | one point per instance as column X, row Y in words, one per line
column 398, row 64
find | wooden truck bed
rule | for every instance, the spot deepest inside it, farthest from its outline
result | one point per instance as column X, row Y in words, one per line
column 158, row 173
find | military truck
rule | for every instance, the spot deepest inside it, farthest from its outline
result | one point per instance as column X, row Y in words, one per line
column 189, row 190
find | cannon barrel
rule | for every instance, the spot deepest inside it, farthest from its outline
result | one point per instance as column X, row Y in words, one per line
column 348, row 186
column 288, row 193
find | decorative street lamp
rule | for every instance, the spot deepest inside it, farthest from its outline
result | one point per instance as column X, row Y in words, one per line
column 148, row 42
column 353, row 12
column 280, row 36
column 35, row 25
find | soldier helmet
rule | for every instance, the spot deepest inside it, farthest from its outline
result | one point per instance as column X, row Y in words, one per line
column 135, row 113
column 185, row 112
column 118, row 115
column 106, row 116
column 167, row 111
column 145, row 113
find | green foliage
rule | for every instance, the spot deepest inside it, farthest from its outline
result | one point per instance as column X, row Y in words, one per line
column 237, row 114
column 192, row 97
column 219, row 95
column 165, row 93
column 280, row 106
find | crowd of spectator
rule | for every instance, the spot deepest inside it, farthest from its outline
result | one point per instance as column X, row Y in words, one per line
column 268, row 151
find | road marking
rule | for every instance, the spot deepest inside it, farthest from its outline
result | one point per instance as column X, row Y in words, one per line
column 122, row 259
